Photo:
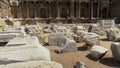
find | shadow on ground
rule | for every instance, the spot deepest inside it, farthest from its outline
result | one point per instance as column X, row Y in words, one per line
column 105, row 39
column 110, row 62
column 91, row 58
column 83, row 48
column 8, row 62
column 3, row 44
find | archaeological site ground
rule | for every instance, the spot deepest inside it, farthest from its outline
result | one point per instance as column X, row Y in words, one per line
column 59, row 34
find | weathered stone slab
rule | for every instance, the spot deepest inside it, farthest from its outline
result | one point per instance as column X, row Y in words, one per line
column 95, row 29
column 20, row 30
column 107, row 24
column 55, row 38
column 113, row 34
column 91, row 39
column 24, row 49
column 24, row 53
column 78, row 37
column 33, row 40
column 49, row 28
column 6, row 37
column 92, row 27
column 62, row 30
column 98, row 51
column 34, row 30
column 77, row 29
column 79, row 64
column 115, row 48
column 33, row 64
column 67, row 45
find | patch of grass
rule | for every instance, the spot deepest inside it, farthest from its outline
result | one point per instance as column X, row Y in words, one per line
column 42, row 39
column 118, row 26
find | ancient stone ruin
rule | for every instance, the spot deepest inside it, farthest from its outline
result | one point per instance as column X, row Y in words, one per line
column 115, row 48
column 113, row 34
column 79, row 64
column 67, row 45
column 106, row 24
column 33, row 64
column 96, row 29
column 98, row 51
column 34, row 30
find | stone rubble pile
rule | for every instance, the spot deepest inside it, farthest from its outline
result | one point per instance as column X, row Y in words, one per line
column 34, row 30
column 24, row 51
column 95, row 29
column 29, row 53
column 61, row 30
column 49, row 28
column 78, row 29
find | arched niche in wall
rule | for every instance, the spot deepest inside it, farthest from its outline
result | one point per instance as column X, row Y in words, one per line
column 64, row 10
column 43, row 12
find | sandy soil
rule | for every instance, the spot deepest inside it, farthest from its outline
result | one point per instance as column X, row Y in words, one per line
column 68, row 59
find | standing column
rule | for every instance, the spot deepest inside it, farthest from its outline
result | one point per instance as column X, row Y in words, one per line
column 79, row 9
column 107, row 9
column 20, row 10
column 35, row 9
column 49, row 9
column 27, row 9
column 98, row 9
column 91, row 9
column 58, row 10
column 72, row 9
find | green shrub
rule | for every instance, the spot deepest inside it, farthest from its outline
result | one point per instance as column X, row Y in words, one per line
column 118, row 26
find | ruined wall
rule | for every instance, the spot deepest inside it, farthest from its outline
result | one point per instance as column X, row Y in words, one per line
column 64, row 10
column 4, row 9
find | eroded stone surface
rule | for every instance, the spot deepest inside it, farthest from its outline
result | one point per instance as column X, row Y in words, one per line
column 23, row 41
column 34, row 30
column 24, row 49
column 115, row 48
column 33, row 64
column 79, row 64
column 113, row 34
column 77, row 29
column 91, row 39
column 107, row 24
column 67, row 45
column 55, row 38
column 98, row 51
column 96, row 29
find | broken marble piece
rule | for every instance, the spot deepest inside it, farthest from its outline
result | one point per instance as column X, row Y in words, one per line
column 115, row 48
column 98, row 51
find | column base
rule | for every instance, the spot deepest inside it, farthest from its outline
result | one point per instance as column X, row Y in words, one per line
column 58, row 18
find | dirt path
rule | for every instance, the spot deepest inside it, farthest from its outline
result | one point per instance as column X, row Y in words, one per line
column 68, row 59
